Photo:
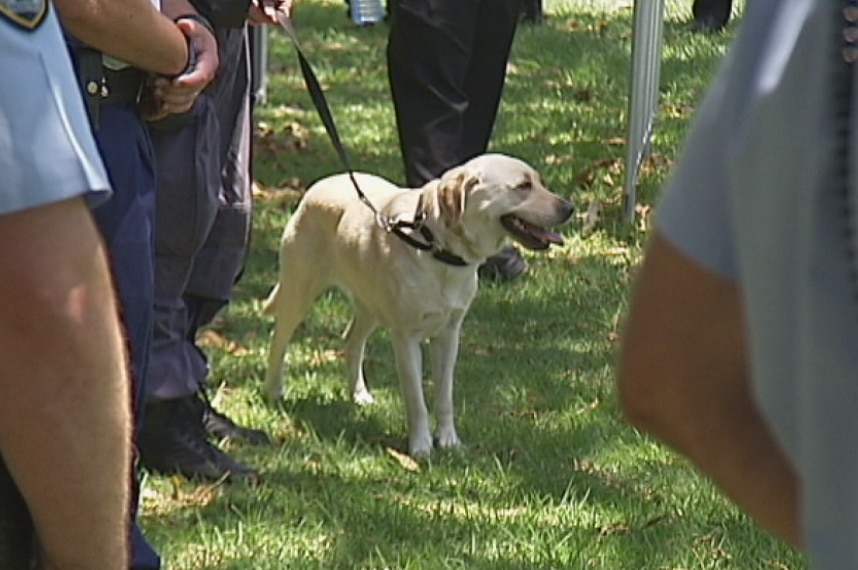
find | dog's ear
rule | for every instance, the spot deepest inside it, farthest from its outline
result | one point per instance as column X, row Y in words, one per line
column 452, row 197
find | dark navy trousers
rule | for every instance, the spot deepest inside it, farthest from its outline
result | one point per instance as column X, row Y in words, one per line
column 204, row 212
column 127, row 224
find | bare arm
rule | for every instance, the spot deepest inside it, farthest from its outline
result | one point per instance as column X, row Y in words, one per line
column 64, row 393
column 131, row 30
column 683, row 377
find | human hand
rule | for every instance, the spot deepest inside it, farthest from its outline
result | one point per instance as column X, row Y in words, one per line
column 266, row 11
column 177, row 94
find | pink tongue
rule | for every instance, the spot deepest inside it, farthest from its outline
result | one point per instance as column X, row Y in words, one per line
column 546, row 235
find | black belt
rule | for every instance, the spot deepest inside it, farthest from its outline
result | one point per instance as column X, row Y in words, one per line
column 123, row 86
column 103, row 86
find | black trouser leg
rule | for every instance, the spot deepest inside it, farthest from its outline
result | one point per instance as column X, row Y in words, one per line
column 718, row 11
column 487, row 72
column 446, row 67
column 533, row 11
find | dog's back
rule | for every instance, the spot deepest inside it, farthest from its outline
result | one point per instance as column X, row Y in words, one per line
column 318, row 231
column 325, row 243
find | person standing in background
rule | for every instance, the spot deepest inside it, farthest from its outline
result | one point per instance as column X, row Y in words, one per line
column 446, row 62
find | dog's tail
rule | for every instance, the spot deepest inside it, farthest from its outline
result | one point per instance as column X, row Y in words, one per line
column 271, row 301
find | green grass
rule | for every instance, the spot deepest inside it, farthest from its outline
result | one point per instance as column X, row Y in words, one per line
column 551, row 476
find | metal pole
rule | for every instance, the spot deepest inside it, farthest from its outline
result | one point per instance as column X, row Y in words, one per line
column 647, row 39
column 259, row 64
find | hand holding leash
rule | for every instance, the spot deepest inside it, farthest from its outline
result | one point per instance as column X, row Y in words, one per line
column 177, row 95
column 267, row 11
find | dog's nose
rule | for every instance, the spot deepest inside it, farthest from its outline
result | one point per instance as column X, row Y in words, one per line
column 565, row 209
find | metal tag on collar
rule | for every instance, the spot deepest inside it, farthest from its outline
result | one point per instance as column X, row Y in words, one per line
column 383, row 222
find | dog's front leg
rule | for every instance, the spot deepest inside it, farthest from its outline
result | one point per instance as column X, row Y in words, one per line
column 444, row 351
column 409, row 364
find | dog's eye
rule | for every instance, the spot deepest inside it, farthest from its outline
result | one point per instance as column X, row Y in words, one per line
column 524, row 186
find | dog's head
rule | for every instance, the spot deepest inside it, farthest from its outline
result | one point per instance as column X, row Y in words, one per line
column 494, row 197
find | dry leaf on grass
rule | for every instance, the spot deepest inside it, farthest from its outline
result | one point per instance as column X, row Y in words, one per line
column 591, row 218
column 608, row 167
column 214, row 339
column 319, row 357
column 288, row 195
column 287, row 137
column 406, row 461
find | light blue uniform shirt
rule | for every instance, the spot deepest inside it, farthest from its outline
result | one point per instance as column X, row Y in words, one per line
column 47, row 152
column 754, row 199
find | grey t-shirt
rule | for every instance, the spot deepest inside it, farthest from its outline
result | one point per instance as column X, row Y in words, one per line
column 754, row 199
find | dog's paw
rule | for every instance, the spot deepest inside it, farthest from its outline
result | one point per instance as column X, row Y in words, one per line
column 448, row 438
column 420, row 445
column 363, row 398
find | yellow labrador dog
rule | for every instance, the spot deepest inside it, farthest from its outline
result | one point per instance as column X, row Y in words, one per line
column 417, row 279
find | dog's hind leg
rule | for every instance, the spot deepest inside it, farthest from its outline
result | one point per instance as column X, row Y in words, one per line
column 444, row 349
column 356, row 336
column 289, row 302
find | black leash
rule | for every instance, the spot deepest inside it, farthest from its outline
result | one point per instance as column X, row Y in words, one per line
column 396, row 227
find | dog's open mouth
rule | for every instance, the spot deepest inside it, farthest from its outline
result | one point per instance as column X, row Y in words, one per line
column 530, row 235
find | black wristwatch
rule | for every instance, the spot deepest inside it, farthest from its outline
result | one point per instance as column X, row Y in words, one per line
column 192, row 56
